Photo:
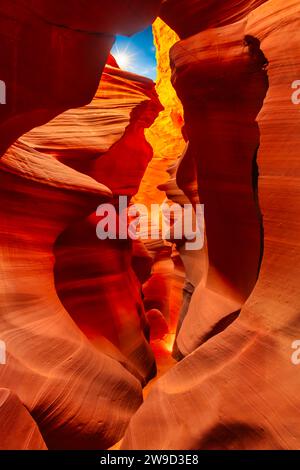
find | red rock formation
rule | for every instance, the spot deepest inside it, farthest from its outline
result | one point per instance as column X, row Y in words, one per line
column 93, row 138
column 157, row 288
column 162, row 293
column 94, row 278
column 18, row 431
column 225, row 111
column 79, row 397
column 52, row 59
column 141, row 261
column 158, row 325
column 238, row 390
column 164, row 135
column 193, row 263
column 53, row 54
column 79, row 388
column 98, row 287
column 97, row 17
column 188, row 17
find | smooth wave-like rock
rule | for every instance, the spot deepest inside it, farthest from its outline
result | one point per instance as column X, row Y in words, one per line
column 162, row 292
column 94, row 278
column 122, row 17
column 194, row 262
column 53, row 54
column 72, row 320
column 79, row 397
column 14, row 416
column 107, row 133
column 221, row 106
column 188, row 17
column 238, row 390
column 164, row 135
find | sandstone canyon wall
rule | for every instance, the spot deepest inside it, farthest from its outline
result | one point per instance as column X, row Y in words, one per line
column 53, row 53
column 76, row 312
column 164, row 136
column 163, row 291
column 13, row 415
column 237, row 386
column 76, row 389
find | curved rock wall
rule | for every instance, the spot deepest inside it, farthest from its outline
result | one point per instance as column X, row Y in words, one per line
column 53, row 54
column 72, row 316
column 222, row 95
column 13, row 415
column 188, row 17
column 238, row 390
column 95, row 278
column 66, row 384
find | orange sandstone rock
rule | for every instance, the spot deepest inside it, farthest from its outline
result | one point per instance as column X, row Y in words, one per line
column 238, row 389
column 18, row 431
column 53, row 54
column 94, row 278
column 79, row 397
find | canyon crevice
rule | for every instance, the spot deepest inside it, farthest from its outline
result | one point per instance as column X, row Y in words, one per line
column 88, row 323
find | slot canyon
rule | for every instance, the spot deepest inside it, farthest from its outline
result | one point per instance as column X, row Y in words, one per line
column 146, row 343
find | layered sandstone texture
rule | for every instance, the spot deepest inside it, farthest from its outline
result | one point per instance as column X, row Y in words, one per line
column 77, row 312
column 236, row 387
column 14, row 416
column 53, row 53
column 163, row 291
column 165, row 134
column 72, row 316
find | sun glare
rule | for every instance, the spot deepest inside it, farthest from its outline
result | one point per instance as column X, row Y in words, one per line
column 124, row 58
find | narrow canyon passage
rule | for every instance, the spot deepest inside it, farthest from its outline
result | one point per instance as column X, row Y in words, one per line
column 149, row 229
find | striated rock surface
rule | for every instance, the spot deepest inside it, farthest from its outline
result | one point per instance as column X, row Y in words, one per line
column 52, row 58
column 72, row 318
column 162, row 293
column 14, row 416
column 223, row 138
column 53, row 54
column 48, row 199
column 97, row 17
column 237, row 386
column 164, row 135
column 94, row 278
column 188, row 17
column 193, row 263
column 79, row 397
